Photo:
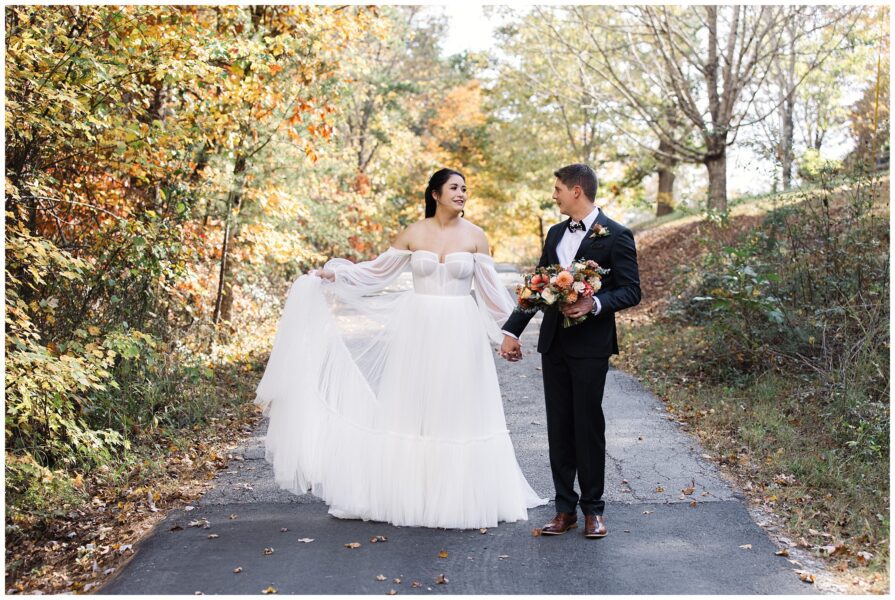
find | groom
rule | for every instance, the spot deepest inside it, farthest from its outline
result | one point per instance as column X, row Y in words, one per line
column 575, row 360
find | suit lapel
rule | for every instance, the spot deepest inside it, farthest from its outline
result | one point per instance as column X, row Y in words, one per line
column 602, row 219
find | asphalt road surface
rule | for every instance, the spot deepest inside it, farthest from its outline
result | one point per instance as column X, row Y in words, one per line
column 659, row 542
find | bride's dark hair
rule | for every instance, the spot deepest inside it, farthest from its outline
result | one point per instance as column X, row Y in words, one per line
column 437, row 180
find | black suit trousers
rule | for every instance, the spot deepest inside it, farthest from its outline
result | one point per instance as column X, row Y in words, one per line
column 576, row 429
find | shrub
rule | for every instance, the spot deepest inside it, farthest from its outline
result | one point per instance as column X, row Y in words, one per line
column 807, row 292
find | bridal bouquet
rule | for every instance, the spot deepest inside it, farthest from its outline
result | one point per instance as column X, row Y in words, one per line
column 556, row 284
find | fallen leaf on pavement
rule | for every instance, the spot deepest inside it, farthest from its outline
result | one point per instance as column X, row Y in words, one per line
column 441, row 579
column 689, row 489
column 782, row 552
column 443, row 554
column 269, row 590
column 416, row 584
column 483, row 530
column 648, row 512
column 536, row 532
column 380, row 578
column 284, row 529
column 659, row 489
column 864, row 557
column 693, row 503
column 212, row 536
column 305, row 540
column 234, row 516
column 392, row 592
column 237, row 570
column 503, row 557
column 746, row 546
column 378, row 538
column 352, row 545
column 806, row 576
column 268, row 551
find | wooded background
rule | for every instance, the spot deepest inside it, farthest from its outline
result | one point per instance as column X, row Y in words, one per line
column 170, row 170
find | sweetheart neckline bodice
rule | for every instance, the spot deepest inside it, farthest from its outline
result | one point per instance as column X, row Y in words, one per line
column 441, row 260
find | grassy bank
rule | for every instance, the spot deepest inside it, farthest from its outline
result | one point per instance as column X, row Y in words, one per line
column 769, row 340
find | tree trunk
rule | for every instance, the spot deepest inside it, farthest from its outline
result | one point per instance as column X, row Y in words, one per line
column 224, row 301
column 787, row 157
column 717, row 167
column 665, row 193
column 789, row 107
column 665, row 196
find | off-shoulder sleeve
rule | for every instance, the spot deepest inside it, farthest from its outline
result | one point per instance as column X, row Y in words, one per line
column 369, row 276
column 494, row 300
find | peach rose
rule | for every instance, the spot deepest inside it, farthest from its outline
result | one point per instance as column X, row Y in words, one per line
column 572, row 297
column 564, row 280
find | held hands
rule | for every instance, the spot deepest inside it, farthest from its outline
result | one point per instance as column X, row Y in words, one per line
column 511, row 349
column 579, row 308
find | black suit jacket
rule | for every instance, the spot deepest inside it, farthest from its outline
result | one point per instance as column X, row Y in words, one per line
column 596, row 336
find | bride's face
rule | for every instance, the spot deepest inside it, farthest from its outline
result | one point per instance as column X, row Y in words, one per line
column 452, row 195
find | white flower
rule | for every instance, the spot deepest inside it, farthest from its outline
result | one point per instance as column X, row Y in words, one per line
column 548, row 296
column 578, row 286
column 596, row 284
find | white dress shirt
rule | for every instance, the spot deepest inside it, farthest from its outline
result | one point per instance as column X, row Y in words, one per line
column 569, row 242
column 568, row 247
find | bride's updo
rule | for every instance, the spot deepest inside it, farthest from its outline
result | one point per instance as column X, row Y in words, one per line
column 438, row 179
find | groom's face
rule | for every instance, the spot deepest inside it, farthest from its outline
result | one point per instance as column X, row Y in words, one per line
column 565, row 198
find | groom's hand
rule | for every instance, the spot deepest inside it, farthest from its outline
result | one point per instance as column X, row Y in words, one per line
column 511, row 349
column 579, row 308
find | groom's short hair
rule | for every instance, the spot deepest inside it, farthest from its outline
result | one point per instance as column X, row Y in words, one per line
column 579, row 174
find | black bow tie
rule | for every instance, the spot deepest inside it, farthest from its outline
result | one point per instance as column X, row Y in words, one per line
column 573, row 226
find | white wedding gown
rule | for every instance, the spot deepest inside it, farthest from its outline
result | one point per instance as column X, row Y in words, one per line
column 385, row 403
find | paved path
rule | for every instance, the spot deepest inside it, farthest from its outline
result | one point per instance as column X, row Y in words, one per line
column 658, row 543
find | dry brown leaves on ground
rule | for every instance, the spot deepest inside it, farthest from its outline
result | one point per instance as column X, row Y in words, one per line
column 82, row 550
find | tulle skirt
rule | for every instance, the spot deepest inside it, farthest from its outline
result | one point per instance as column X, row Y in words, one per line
column 423, row 442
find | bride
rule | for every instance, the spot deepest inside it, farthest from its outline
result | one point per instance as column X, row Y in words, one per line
column 385, row 402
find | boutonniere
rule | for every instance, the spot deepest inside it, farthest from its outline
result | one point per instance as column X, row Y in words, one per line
column 598, row 231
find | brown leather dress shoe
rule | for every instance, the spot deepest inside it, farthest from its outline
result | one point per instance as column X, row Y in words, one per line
column 594, row 526
column 560, row 524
